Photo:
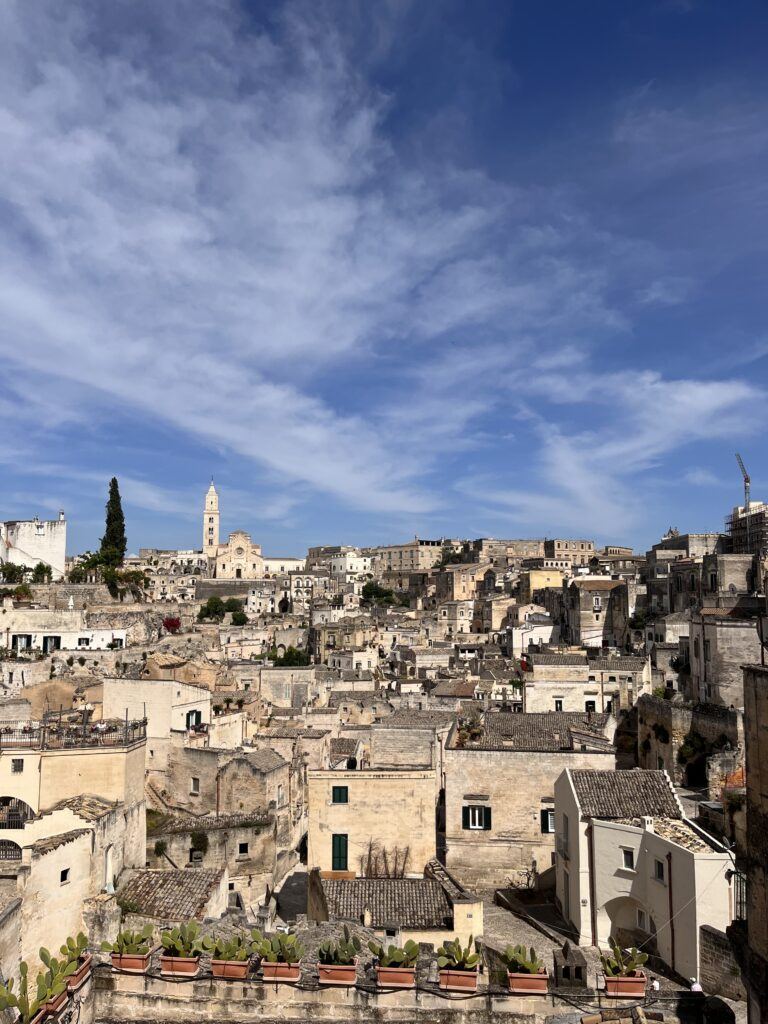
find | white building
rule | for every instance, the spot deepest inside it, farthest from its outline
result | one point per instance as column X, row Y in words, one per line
column 283, row 565
column 350, row 563
column 29, row 541
column 631, row 866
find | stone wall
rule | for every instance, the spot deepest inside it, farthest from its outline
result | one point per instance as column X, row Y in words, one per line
column 720, row 973
column 663, row 726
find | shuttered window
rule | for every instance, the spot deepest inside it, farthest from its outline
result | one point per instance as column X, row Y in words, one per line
column 476, row 817
column 339, row 853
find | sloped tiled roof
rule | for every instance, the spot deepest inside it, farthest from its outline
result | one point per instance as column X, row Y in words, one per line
column 265, row 760
column 415, row 718
column 538, row 731
column 405, row 902
column 87, row 806
column 343, row 746
column 170, row 895
column 625, row 794
column 43, row 846
column 558, row 659
column 621, row 664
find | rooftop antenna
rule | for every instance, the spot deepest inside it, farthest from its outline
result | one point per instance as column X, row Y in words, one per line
column 747, row 483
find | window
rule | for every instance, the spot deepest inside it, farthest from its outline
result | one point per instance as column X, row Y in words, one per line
column 597, row 604
column 476, row 817
column 340, row 795
column 558, row 704
column 83, row 641
column 194, row 786
column 17, row 765
column 628, row 859
column 589, row 705
column 64, row 876
column 696, row 647
column 660, row 763
column 547, row 821
column 242, row 849
column 706, row 650
column 658, row 870
column 642, row 921
column 608, row 706
column 339, row 852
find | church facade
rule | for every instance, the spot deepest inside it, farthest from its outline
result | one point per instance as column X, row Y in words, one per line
column 237, row 559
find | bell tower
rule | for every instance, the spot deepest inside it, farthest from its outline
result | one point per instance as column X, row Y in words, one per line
column 211, row 522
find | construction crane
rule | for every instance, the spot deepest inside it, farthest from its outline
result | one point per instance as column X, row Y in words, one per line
column 747, row 483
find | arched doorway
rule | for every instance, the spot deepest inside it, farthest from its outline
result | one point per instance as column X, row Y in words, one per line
column 9, row 850
column 238, row 574
column 14, row 813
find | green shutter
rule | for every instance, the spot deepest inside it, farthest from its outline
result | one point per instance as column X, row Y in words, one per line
column 544, row 821
column 339, row 853
column 465, row 817
column 487, row 818
column 340, row 795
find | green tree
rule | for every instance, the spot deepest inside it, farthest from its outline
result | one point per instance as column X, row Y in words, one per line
column 239, row 618
column 113, row 543
column 292, row 658
column 233, row 605
column 41, row 573
column 212, row 609
column 13, row 573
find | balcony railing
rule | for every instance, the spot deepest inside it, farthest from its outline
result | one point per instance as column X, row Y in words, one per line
column 65, row 737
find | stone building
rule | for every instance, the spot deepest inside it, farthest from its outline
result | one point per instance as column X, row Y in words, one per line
column 29, row 541
column 575, row 552
column 362, row 822
column 244, row 844
column 460, row 582
column 721, row 641
column 417, row 555
column 697, row 744
column 596, row 612
column 499, row 789
column 430, row 909
column 239, row 558
column 211, row 517
column 632, row 867
column 754, row 951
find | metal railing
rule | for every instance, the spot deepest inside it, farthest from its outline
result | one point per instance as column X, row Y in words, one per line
column 64, row 737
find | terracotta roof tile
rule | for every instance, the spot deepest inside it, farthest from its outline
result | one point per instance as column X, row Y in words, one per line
column 625, row 794
column 171, row 895
column 401, row 902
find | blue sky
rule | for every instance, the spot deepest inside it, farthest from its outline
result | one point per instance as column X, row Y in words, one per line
column 453, row 268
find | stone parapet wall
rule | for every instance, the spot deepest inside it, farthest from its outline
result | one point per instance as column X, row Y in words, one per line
column 151, row 999
column 720, row 973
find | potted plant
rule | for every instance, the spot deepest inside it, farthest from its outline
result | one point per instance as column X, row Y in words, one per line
column 457, row 966
column 54, row 982
column 280, row 957
column 49, row 991
column 181, row 950
column 76, row 952
column 337, row 961
column 230, row 958
column 396, row 966
column 131, row 950
column 623, row 977
column 526, row 973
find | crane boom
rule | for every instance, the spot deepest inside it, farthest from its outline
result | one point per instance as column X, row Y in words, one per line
column 747, row 483
column 743, row 468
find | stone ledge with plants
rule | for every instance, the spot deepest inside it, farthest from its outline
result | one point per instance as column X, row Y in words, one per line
column 54, row 986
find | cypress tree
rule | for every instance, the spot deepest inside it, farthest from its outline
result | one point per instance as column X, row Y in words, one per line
column 113, row 543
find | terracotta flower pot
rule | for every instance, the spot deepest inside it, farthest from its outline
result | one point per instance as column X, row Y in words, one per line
column 396, row 977
column 527, row 984
column 458, row 981
column 52, row 1006
column 132, row 963
column 235, row 969
column 337, row 974
column 288, row 974
column 626, row 986
column 83, row 970
column 175, row 966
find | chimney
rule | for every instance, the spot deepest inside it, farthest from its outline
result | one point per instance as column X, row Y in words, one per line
column 648, row 824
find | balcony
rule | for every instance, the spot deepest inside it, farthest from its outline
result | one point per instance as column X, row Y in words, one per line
column 63, row 736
